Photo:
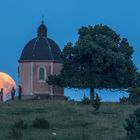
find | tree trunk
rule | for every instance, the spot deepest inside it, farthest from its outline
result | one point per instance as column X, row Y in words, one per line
column 91, row 94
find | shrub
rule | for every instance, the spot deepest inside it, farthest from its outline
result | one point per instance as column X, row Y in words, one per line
column 124, row 100
column 20, row 124
column 96, row 102
column 134, row 96
column 15, row 134
column 41, row 123
column 85, row 100
column 132, row 126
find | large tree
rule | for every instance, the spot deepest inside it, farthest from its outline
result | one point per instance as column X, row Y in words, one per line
column 99, row 59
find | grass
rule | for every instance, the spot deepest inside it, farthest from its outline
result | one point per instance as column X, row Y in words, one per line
column 70, row 121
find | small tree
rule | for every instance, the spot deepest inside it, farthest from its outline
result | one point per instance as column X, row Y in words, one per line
column 85, row 100
column 132, row 126
column 124, row 100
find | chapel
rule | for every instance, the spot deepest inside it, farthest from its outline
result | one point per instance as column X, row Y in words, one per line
column 40, row 58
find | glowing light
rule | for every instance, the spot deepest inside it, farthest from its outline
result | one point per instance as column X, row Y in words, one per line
column 7, row 83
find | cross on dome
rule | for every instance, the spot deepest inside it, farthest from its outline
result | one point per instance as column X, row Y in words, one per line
column 42, row 29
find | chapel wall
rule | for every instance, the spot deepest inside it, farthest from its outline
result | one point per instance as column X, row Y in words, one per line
column 25, row 78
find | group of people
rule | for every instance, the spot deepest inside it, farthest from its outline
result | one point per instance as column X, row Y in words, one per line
column 13, row 91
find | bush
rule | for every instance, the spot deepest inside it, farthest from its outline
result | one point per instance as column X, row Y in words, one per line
column 96, row 102
column 132, row 126
column 85, row 100
column 20, row 124
column 15, row 134
column 124, row 100
column 134, row 96
column 41, row 123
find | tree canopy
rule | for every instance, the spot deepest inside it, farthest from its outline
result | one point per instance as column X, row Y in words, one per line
column 99, row 59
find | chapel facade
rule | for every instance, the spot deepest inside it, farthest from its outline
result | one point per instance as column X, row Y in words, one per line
column 39, row 59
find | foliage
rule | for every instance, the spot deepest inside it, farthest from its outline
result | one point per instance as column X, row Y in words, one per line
column 124, row 100
column 15, row 133
column 85, row 100
column 132, row 126
column 41, row 123
column 54, row 80
column 134, row 91
column 137, row 80
column 134, row 95
column 97, row 102
column 99, row 59
column 20, row 124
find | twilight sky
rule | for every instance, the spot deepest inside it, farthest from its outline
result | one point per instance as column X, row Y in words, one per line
column 19, row 20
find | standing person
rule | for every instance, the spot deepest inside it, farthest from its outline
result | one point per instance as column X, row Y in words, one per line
column 13, row 93
column 19, row 92
column 1, row 94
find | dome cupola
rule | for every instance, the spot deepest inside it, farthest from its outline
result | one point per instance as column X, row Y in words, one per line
column 42, row 30
column 41, row 47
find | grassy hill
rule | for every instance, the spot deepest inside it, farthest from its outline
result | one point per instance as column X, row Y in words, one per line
column 70, row 121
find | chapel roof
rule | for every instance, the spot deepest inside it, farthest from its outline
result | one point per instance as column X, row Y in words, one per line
column 41, row 47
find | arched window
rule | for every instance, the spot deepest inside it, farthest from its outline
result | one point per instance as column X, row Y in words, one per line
column 41, row 74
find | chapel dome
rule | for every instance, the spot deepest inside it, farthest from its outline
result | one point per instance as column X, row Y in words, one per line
column 41, row 47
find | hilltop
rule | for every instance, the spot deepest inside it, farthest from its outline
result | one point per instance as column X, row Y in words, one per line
column 69, row 120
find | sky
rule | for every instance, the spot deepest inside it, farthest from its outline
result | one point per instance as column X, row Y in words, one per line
column 19, row 20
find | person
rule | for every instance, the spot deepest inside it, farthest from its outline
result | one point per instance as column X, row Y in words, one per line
column 1, row 94
column 19, row 92
column 13, row 93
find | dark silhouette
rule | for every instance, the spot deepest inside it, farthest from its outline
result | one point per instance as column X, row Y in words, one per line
column 13, row 91
column 19, row 92
column 1, row 94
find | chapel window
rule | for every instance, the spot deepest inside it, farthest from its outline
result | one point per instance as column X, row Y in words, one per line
column 42, row 74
